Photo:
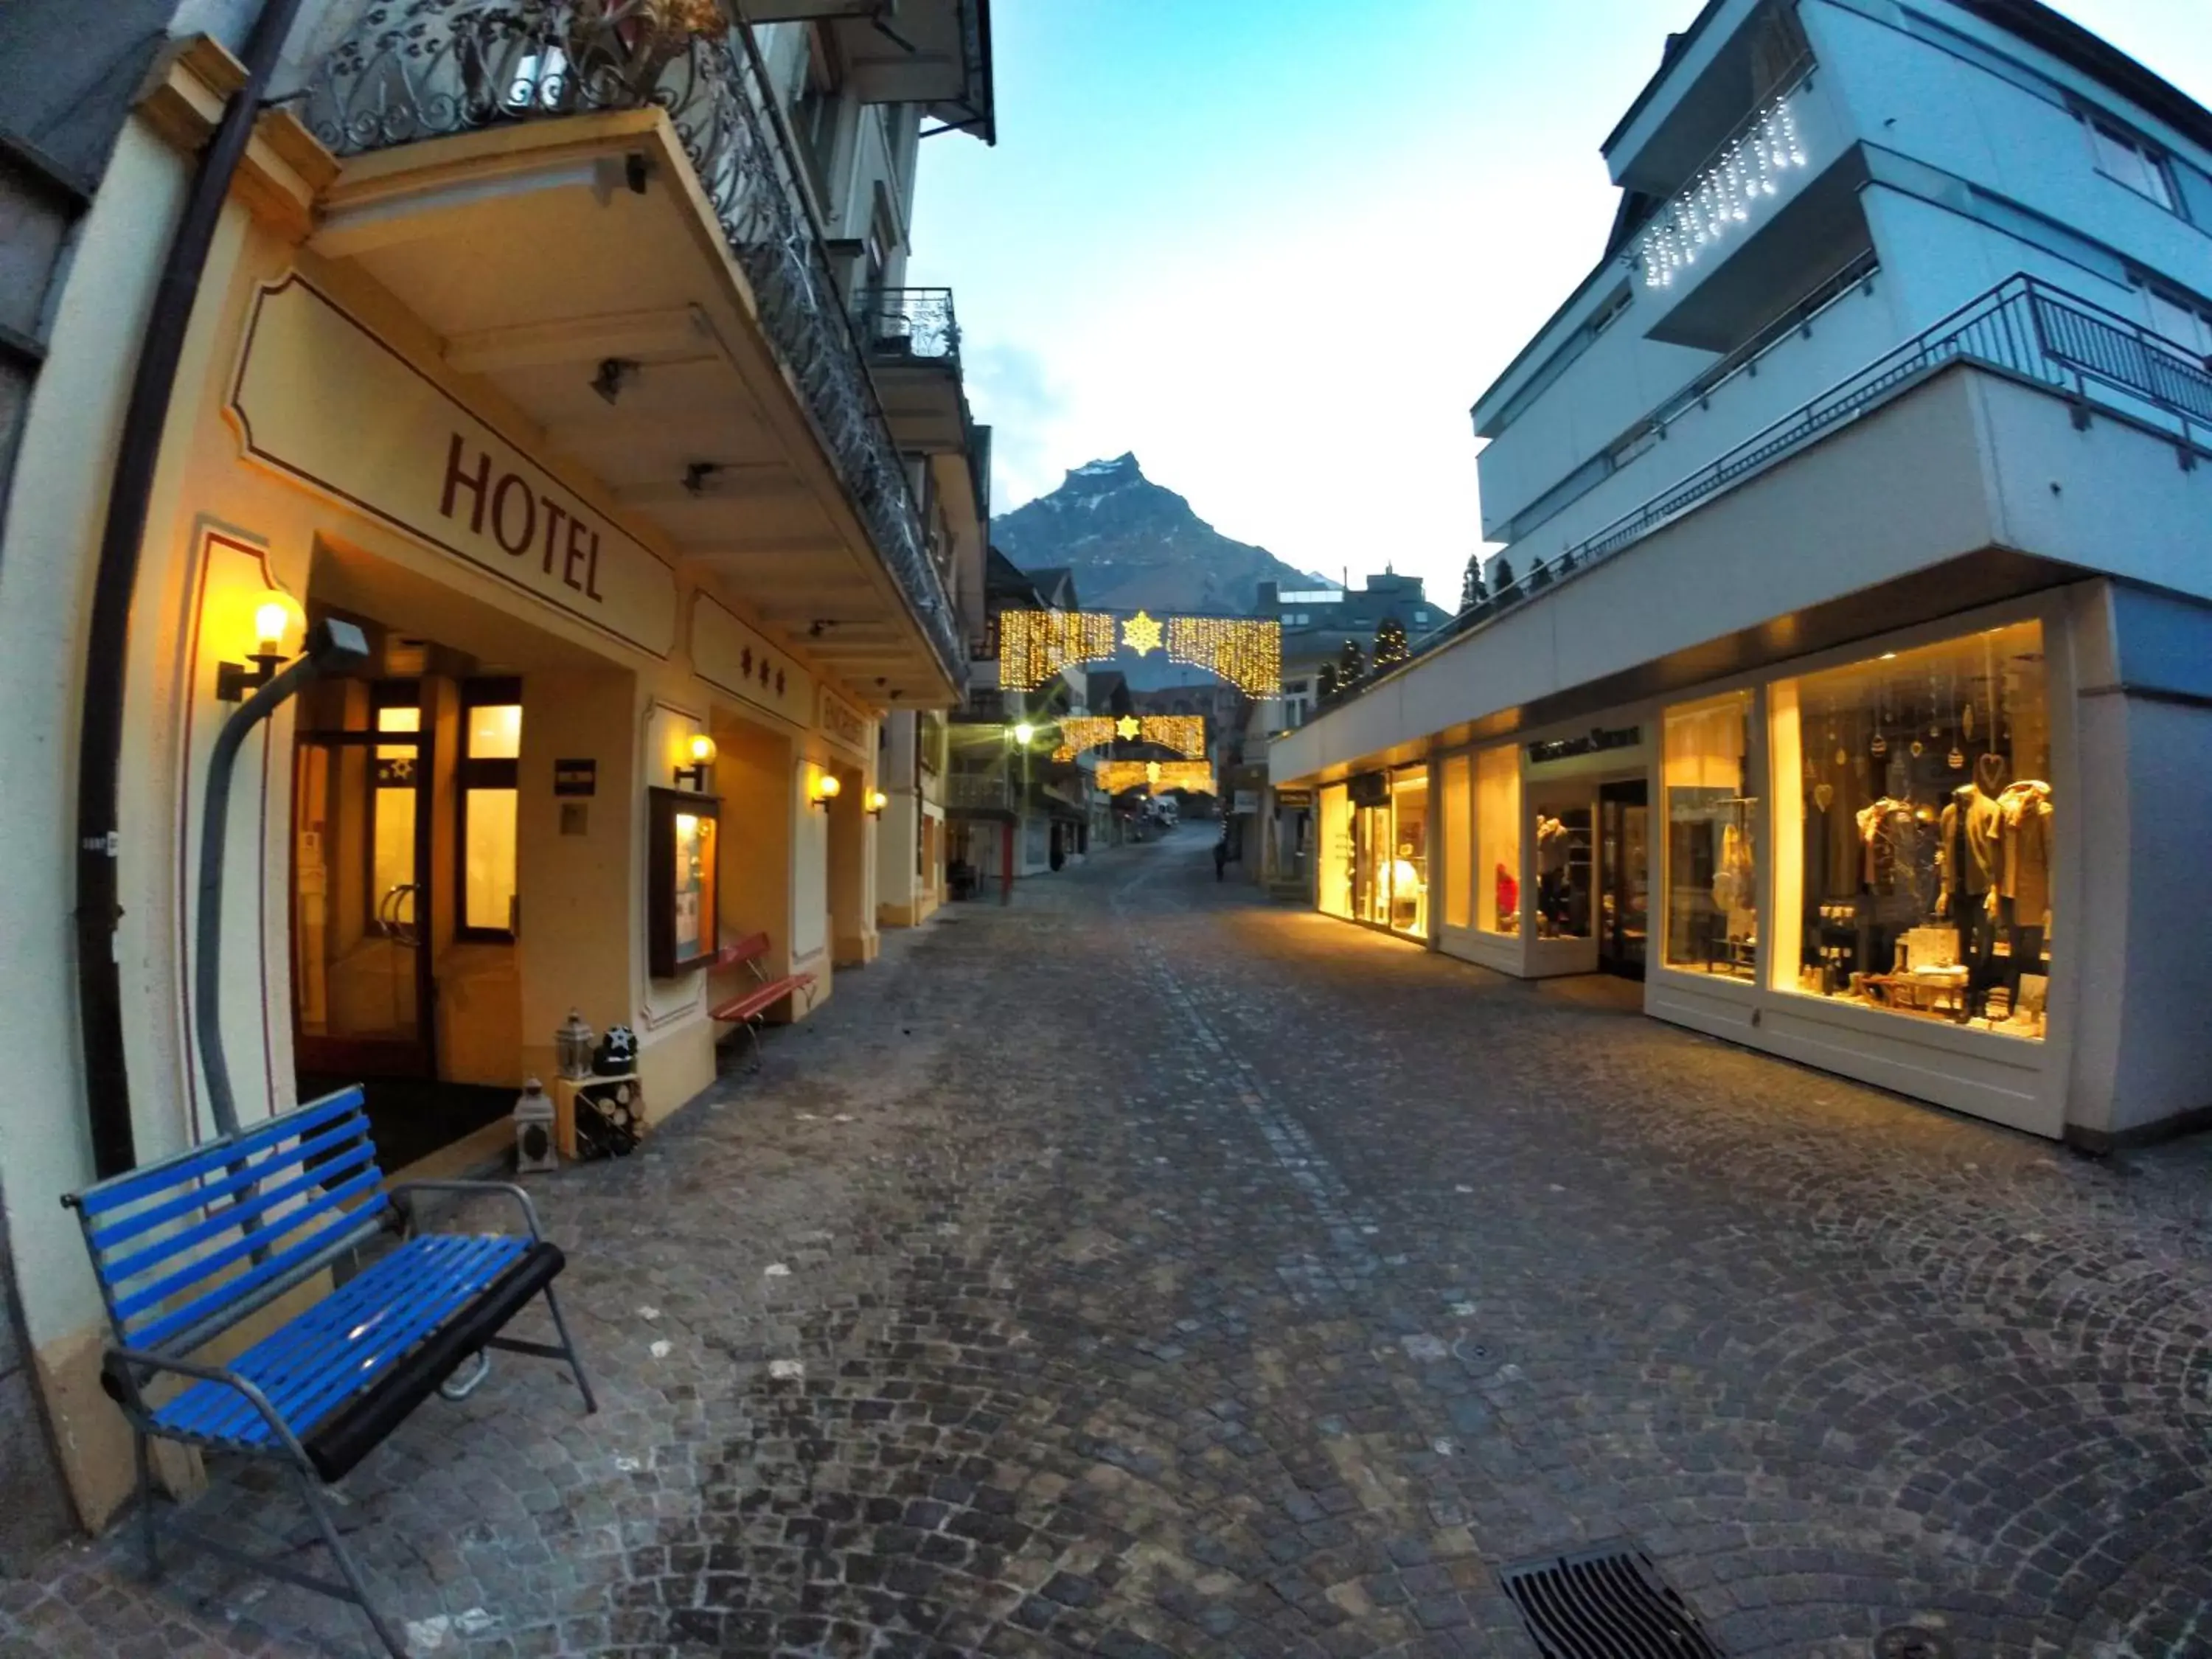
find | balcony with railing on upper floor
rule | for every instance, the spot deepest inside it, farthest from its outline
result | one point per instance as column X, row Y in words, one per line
column 1768, row 211
column 597, row 209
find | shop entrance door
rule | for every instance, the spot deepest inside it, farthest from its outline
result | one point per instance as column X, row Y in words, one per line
column 1624, row 876
column 362, row 997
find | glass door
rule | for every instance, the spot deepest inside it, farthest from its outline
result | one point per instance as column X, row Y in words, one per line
column 361, row 825
column 1624, row 876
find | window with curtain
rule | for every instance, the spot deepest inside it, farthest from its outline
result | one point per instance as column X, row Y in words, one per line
column 487, row 789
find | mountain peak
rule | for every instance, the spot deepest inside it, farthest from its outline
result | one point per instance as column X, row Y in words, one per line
column 1132, row 544
column 1122, row 469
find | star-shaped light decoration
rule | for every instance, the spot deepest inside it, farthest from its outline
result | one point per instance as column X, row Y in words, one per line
column 1128, row 726
column 1152, row 772
column 1140, row 634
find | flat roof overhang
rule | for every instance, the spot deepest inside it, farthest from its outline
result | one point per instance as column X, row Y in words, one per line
column 1802, row 557
column 537, row 253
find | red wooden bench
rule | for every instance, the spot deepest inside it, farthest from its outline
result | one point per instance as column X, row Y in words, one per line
column 748, row 1008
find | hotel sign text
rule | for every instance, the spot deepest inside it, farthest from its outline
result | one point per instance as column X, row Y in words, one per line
column 321, row 399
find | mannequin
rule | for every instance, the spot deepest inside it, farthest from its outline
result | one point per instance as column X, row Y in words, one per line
column 1552, row 871
column 2024, row 879
column 1971, row 856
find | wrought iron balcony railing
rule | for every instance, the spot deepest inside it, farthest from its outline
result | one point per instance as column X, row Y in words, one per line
column 2024, row 328
column 909, row 324
column 978, row 792
column 416, row 70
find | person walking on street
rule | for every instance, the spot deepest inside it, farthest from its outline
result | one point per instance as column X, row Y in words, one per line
column 1220, row 857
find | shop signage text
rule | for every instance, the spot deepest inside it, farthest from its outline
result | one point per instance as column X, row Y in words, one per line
column 321, row 399
column 1598, row 737
column 575, row 777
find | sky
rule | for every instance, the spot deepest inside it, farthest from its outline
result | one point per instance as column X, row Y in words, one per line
column 1278, row 247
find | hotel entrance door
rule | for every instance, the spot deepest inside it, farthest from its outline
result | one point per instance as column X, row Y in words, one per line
column 1624, row 876
column 363, row 1001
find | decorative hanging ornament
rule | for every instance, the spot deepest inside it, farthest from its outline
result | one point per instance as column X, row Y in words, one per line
column 1843, row 756
column 1967, row 719
column 1824, row 796
column 1917, row 747
column 1880, row 743
column 1957, row 759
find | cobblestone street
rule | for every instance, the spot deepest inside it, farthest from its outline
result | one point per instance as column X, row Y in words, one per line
column 1145, row 1270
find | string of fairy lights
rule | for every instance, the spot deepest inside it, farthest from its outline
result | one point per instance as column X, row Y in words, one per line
column 1035, row 645
column 1184, row 733
column 1194, row 777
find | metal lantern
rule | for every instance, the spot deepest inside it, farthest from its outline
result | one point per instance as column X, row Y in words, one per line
column 533, row 1130
column 574, row 1046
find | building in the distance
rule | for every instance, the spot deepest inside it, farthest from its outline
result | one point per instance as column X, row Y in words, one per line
column 1318, row 622
column 1855, row 687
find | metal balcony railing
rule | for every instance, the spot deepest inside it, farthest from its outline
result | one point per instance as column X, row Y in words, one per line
column 2023, row 328
column 909, row 324
column 418, row 70
column 978, row 792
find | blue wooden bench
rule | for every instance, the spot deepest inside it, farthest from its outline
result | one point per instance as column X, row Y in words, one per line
column 186, row 1247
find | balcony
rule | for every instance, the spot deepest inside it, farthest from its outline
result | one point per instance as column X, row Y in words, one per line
column 1765, row 214
column 932, row 52
column 978, row 792
column 597, row 211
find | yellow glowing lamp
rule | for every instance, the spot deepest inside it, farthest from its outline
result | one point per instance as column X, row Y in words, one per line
column 827, row 787
column 876, row 801
column 1023, row 732
column 701, row 748
column 273, row 619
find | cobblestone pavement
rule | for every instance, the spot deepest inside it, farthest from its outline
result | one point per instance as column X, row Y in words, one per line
column 1141, row 1270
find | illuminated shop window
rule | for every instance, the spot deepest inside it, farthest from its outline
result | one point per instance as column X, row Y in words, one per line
column 1454, row 844
column 1914, row 832
column 1332, row 884
column 1498, row 839
column 1407, row 869
column 1712, row 835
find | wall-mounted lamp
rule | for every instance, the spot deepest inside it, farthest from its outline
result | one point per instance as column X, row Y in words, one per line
column 876, row 801
column 1023, row 732
column 827, row 786
column 272, row 620
column 701, row 749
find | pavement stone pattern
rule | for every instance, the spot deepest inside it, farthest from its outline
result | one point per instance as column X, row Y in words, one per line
column 1142, row 1270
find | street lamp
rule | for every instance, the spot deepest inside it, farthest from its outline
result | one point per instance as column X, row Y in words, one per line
column 1023, row 732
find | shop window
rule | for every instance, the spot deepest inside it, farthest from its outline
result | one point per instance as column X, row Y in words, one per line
column 1407, row 871
column 1454, row 842
column 1371, row 847
column 1332, row 879
column 1498, row 839
column 1564, row 842
column 1712, row 831
column 487, row 788
column 1914, row 839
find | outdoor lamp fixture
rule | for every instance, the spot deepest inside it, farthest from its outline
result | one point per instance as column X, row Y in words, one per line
column 701, row 749
column 827, row 786
column 1023, row 732
column 330, row 646
column 272, row 620
column 876, row 801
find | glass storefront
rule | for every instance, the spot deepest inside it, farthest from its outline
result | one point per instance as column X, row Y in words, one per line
column 1408, row 870
column 1498, row 839
column 1563, row 839
column 1332, row 874
column 1712, row 828
column 1455, row 839
column 1914, row 839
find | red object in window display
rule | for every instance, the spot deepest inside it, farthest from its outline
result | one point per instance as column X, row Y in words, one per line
column 1509, row 892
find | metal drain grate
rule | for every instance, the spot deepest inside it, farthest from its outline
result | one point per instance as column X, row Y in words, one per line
column 1605, row 1604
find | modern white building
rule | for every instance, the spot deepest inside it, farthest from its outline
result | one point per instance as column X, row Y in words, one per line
column 1854, row 690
